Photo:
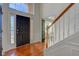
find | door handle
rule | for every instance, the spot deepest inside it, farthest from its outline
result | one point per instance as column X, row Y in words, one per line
column 17, row 30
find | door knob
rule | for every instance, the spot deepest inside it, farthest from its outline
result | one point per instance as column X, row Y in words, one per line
column 17, row 29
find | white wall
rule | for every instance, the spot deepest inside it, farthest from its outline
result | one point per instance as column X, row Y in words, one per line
column 51, row 9
column 77, row 18
column 5, row 39
column 36, row 24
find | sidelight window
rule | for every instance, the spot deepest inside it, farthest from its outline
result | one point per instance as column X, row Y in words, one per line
column 12, row 29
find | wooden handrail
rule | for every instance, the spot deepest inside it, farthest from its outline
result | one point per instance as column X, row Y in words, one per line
column 61, row 14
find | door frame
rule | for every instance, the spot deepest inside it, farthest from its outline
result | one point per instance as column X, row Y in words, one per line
column 7, row 12
column 12, row 12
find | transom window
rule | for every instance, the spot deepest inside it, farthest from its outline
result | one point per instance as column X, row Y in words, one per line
column 19, row 6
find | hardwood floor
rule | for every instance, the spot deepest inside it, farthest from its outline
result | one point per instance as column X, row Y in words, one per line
column 35, row 49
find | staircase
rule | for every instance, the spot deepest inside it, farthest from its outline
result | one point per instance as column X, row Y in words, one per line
column 66, row 47
column 63, row 33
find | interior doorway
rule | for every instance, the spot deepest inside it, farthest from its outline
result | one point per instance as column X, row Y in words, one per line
column 22, row 30
column 43, row 30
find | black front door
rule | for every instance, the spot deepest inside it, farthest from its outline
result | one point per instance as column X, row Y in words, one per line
column 22, row 30
column 0, row 31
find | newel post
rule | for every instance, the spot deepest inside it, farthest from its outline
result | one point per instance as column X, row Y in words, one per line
column 46, row 40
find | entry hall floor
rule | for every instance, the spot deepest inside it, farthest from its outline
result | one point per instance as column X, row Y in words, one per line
column 35, row 49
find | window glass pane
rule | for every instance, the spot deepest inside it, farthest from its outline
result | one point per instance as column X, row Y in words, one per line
column 0, row 22
column 0, row 19
column 12, row 29
column 12, row 6
column 19, row 6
